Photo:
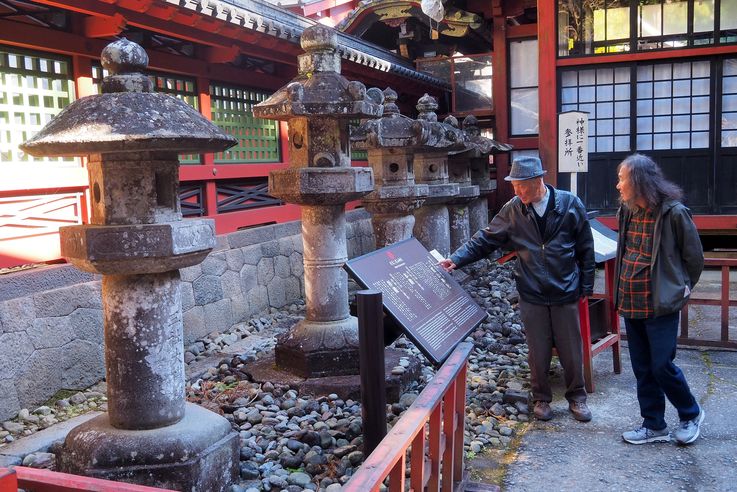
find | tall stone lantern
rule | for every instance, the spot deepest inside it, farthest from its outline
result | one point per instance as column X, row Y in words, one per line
column 138, row 241
column 459, row 171
column 432, row 223
column 318, row 105
column 390, row 143
column 478, row 160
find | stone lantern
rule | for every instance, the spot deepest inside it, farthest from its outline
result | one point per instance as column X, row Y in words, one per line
column 478, row 159
column 459, row 171
column 432, row 226
column 390, row 143
column 318, row 104
column 137, row 240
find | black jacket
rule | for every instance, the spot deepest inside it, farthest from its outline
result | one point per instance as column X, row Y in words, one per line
column 677, row 257
column 556, row 267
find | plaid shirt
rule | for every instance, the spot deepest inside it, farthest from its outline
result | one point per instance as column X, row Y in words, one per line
column 635, row 297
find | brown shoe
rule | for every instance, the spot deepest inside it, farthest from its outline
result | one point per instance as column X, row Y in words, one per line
column 542, row 410
column 580, row 411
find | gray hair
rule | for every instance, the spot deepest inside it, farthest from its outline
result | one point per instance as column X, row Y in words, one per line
column 648, row 182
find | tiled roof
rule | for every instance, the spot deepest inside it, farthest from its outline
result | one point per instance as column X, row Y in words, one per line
column 271, row 20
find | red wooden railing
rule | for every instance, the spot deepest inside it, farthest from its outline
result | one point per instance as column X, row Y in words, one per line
column 431, row 429
column 38, row 480
column 724, row 302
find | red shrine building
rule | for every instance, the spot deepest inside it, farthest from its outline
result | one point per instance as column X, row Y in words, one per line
column 654, row 76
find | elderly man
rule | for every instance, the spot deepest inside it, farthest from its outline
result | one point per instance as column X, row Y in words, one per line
column 549, row 230
column 659, row 260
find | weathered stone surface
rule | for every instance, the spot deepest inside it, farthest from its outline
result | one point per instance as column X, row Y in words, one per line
column 214, row 264
column 218, row 315
column 249, row 237
column 286, row 247
column 277, row 292
column 240, row 307
column 298, row 244
column 194, row 324
column 270, row 249
column 27, row 282
column 51, row 332
column 286, row 229
column 296, row 264
column 281, row 266
column 292, row 289
column 17, row 314
column 191, row 273
column 188, row 299
column 258, row 298
column 249, row 278
column 87, row 324
column 39, row 377
column 231, row 283
column 61, row 302
column 234, row 259
column 252, row 254
column 207, row 289
column 15, row 349
column 9, row 404
column 82, row 364
column 265, row 271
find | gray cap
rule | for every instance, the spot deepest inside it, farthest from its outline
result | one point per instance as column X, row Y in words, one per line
column 525, row 167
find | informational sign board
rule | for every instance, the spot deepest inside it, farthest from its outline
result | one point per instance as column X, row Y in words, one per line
column 605, row 241
column 425, row 301
column 573, row 142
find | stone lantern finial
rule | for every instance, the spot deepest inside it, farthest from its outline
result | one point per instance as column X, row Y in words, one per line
column 390, row 99
column 426, row 106
column 471, row 126
column 126, row 61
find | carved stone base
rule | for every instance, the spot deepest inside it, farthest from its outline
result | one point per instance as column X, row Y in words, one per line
column 314, row 349
column 200, row 452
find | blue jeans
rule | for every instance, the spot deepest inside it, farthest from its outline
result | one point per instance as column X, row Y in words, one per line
column 652, row 347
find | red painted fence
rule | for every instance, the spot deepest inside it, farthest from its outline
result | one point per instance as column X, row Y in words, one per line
column 37, row 480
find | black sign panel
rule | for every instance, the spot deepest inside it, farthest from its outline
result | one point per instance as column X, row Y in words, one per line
column 432, row 309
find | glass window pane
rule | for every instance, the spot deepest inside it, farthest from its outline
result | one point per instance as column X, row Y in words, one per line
column 645, row 107
column 729, row 139
column 621, row 143
column 587, row 77
column 523, row 63
column 644, row 90
column 730, row 66
column 700, row 122
column 661, row 124
column 662, row 89
column 681, row 123
column 604, row 93
column 524, row 115
column 644, row 72
column 728, row 15
column 681, row 140
column 703, row 15
column 662, row 72
column 700, row 87
column 604, row 144
column 644, row 125
column 604, row 76
column 604, row 127
column 661, row 141
column 729, row 85
column 592, row 144
column 700, row 69
column 621, row 75
column 622, row 126
column 729, row 102
column 681, row 87
column 699, row 140
column 588, row 108
column 675, row 18
column 729, row 121
column 604, row 110
column 569, row 95
column 569, row 79
column 644, row 142
column 700, row 104
column 586, row 94
column 621, row 92
column 661, row 106
column 568, row 107
column 622, row 108
column 649, row 20
column 681, row 105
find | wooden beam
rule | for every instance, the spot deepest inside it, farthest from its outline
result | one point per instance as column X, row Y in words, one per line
column 212, row 54
column 547, row 39
column 647, row 55
column 104, row 26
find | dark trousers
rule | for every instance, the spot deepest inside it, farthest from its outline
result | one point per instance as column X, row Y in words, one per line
column 559, row 326
column 652, row 346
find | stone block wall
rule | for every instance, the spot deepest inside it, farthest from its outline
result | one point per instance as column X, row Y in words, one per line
column 53, row 339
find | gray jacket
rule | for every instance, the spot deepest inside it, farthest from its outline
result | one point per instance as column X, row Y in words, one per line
column 554, row 268
column 677, row 257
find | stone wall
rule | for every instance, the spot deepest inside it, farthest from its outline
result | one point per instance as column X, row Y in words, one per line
column 52, row 339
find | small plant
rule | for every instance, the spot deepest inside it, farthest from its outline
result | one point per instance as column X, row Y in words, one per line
column 470, row 455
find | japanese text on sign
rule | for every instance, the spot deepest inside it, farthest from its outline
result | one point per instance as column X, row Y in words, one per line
column 573, row 142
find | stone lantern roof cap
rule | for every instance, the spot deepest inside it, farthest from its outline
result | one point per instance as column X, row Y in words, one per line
column 434, row 135
column 319, row 89
column 127, row 117
column 391, row 130
column 482, row 145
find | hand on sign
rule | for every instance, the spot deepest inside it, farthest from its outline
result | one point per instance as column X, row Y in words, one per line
column 447, row 265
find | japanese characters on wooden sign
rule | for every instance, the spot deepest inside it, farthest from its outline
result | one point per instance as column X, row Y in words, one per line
column 573, row 135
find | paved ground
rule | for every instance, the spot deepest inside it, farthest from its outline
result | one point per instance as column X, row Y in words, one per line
column 566, row 455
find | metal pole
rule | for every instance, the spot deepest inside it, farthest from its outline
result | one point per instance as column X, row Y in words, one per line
column 371, row 351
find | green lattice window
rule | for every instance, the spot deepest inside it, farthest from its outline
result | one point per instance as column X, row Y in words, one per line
column 357, row 155
column 34, row 87
column 183, row 88
column 258, row 139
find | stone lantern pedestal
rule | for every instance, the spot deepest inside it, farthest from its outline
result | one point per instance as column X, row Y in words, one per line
column 138, row 241
column 318, row 105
